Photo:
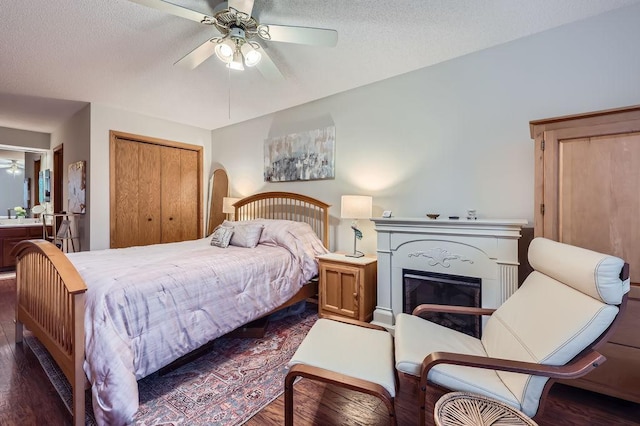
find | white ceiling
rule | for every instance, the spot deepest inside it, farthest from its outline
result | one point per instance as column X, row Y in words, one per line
column 56, row 56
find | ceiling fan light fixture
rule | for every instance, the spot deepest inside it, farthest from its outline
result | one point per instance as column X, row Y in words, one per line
column 251, row 55
column 225, row 50
column 14, row 169
column 236, row 63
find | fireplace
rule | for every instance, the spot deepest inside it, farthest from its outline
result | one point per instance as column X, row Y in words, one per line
column 485, row 250
column 443, row 289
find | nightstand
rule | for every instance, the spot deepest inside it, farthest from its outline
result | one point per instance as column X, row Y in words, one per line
column 347, row 286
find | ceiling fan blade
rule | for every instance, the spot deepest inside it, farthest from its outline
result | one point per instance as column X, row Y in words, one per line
column 176, row 10
column 244, row 6
column 198, row 55
column 268, row 69
column 299, row 35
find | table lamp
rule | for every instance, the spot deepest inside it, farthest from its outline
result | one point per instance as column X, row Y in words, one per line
column 356, row 207
column 228, row 208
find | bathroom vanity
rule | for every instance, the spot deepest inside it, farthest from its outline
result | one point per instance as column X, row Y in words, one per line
column 11, row 233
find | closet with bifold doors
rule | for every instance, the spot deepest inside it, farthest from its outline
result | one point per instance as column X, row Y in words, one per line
column 155, row 190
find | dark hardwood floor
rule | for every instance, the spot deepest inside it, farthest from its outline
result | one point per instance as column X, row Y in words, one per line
column 27, row 397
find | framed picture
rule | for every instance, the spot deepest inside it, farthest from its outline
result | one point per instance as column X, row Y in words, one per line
column 77, row 187
column 300, row 156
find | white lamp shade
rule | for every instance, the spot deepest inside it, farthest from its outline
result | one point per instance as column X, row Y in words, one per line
column 227, row 205
column 356, row 207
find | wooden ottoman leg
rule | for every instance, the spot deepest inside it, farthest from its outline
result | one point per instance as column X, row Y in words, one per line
column 288, row 396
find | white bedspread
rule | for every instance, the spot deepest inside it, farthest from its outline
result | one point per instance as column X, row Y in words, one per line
column 147, row 306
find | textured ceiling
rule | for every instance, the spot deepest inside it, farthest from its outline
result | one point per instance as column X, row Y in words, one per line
column 56, row 56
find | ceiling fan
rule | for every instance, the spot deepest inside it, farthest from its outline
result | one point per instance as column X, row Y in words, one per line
column 13, row 167
column 237, row 44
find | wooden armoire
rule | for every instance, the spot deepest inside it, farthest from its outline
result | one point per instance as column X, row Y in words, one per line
column 155, row 190
column 587, row 193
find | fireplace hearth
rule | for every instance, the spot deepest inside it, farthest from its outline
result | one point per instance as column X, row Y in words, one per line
column 443, row 289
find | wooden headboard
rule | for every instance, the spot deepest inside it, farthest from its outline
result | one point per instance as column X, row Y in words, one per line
column 288, row 206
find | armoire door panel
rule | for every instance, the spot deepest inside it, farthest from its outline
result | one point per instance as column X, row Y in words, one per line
column 598, row 191
column 170, row 177
column 124, row 230
column 149, row 195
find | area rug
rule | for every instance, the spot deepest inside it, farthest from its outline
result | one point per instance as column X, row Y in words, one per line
column 226, row 386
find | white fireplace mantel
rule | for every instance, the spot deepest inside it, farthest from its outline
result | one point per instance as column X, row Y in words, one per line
column 483, row 248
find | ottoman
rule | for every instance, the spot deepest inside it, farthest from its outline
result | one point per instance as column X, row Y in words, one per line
column 347, row 353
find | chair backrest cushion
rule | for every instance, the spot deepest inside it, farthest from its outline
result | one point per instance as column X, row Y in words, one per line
column 590, row 272
column 549, row 321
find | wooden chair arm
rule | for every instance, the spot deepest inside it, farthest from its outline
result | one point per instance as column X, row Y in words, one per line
column 353, row 322
column 425, row 308
column 584, row 363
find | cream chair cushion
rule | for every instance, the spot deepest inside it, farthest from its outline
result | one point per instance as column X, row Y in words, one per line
column 415, row 337
column 544, row 322
column 359, row 352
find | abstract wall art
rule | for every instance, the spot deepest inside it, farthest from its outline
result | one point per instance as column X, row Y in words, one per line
column 77, row 187
column 306, row 155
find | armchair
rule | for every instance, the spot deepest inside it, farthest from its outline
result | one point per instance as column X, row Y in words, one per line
column 549, row 329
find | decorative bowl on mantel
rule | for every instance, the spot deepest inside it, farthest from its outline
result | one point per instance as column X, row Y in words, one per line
column 432, row 215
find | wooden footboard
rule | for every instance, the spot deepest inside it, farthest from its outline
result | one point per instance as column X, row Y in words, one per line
column 50, row 303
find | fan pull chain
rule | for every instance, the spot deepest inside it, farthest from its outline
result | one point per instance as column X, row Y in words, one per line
column 229, row 89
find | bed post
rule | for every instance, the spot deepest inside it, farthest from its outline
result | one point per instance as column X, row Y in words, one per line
column 79, row 378
column 50, row 297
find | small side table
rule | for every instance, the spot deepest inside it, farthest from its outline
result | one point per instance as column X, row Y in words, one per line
column 347, row 286
column 468, row 409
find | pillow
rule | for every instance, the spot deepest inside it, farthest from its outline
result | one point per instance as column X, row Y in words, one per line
column 221, row 236
column 244, row 234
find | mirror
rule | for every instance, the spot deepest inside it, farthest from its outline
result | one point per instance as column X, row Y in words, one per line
column 44, row 186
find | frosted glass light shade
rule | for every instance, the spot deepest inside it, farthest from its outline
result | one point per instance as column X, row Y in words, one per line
column 356, row 207
column 224, row 51
column 251, row 55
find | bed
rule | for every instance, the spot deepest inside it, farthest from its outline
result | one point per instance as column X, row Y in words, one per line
column 84, row 307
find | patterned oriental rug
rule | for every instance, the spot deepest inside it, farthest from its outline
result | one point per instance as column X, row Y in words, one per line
column 226, row 386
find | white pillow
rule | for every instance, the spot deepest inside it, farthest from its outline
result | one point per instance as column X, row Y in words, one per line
column 244, row 234
column 221, row 236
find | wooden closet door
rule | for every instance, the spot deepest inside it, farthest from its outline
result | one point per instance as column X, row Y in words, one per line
column 171, row 198
column 124, row 193
column 189, row 194
column 179, row 189
column 149, row 220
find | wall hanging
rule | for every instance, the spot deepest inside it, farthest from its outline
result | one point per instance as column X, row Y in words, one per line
column 77, row 187
column 307, row 155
